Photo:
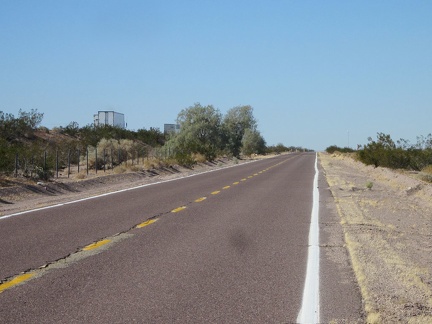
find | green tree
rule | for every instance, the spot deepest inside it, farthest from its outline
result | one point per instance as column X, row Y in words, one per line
column 235, row 123
column 253, row 142
column 200, row 132
column 153, row 137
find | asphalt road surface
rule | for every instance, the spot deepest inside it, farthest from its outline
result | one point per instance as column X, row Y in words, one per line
column 228, row 246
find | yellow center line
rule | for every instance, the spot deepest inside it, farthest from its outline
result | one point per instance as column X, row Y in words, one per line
column 236, row 183
column 226, row 187
column 15, row 281
column 146, row 223
column 178, row 209
column 255, row 174
column 200, row 199
column 250, row 177
column 215, row 192
column 96, row 245
column 243, row 179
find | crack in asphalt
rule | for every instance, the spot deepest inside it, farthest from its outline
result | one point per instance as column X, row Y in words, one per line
column 81, row 253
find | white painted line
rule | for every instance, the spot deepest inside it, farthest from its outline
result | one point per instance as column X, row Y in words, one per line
column 118, row 191
column 310, row 310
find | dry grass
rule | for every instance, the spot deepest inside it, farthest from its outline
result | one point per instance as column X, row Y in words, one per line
column 120, row 169
column 428, row 169
column 385, row 246
column 426, row 174
column 81, row 175
column 199, row 158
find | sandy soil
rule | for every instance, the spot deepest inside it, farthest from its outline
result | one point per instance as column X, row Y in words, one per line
column 388, row 234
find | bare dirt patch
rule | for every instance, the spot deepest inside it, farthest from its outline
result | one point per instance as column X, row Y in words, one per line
column 387, row 221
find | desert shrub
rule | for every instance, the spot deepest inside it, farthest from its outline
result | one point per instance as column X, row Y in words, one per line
column 384, row 152
column 135, row 168
column 426, row 173
column 150, row 163
column 185, row 159
column 427, row 169
column 426, row 177
column 333, row 148
column 43, row 174
column 43, row 129
column 199, row 158
column 120, row 169
column 81, row 175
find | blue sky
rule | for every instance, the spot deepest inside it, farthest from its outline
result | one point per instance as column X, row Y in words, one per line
column 317, row 73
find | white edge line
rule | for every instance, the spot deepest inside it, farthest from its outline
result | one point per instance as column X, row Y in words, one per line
column 310, row 309
column 119, row 191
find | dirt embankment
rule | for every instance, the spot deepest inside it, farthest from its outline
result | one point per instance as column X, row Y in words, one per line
column 387, row 220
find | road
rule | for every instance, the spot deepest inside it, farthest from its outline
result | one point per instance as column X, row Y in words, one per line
column 223, row 247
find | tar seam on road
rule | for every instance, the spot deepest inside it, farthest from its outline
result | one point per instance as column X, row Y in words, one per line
column 310, row 309
column 96, row 245
column 147, row 223
column 176, row 210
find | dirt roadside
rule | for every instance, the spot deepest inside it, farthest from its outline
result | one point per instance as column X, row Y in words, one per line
column 387, row 221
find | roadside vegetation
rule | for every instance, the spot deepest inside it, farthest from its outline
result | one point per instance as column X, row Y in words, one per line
column 385, row 152
column 334, row 148
column 30, row 150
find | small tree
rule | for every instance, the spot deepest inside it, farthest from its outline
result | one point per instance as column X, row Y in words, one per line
column 235, row 123
column 200, row 132
column 253, row 142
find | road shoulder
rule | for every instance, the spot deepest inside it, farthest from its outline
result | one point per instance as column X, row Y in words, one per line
column 338, row 282
column 385, row 216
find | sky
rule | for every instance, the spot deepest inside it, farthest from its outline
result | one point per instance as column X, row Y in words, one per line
column 317, row 73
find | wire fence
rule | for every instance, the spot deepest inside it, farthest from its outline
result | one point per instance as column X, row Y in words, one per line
column 65, row 162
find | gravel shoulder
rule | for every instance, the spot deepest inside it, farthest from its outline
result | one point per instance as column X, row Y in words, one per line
column 386, row 217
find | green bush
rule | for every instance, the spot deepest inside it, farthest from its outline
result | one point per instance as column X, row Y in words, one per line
column 333, row 148
column 385, row 152
column 185, row 159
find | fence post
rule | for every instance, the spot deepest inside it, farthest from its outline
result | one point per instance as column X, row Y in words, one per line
column 112, row 164
column 16, row 165
column 87, row 160
column 57, row 163
column 104, row 160
column 96, row 162
column 68, row 163
column 32, row 166
column 45, row 168
column 79, row 155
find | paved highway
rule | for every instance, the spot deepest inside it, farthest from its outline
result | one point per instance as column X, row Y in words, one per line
column 222, row 247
